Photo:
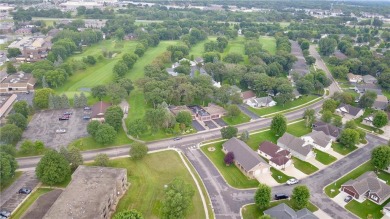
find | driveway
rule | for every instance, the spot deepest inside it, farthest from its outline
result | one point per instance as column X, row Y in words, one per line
column 294, row 172
column 220, row 122
column 249, row 113
column 267, row 179
column 210, row 124
column 339, row 199
column 40, row 207
column 197, row 126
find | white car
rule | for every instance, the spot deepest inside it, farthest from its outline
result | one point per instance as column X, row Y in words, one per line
column 60, row 131
column 292, row 181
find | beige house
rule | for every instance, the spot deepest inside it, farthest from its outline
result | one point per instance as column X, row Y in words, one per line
column 296, row 146
column 349, row 112
column 354, row 78
column 17, row 83
column 319, row 140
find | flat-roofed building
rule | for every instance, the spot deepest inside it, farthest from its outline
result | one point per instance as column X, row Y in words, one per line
column 93, row 193
column 17, row 83
column 6, row 102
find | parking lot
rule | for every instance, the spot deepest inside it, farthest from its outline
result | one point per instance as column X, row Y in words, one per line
column 44, row 124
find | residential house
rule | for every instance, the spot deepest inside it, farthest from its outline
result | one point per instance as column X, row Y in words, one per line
column 362, row 88
column 330, row 130
column 6, row 101
column 261, row 102
column 354, row 78
column 296, row 146
column 296, row 94
column 367, row 186
column 17, row 83
column 247, row 160
column 349, row 112
column 369, row 79
column 380, row 102
column 215, row 111
column 246, row 95
column 98, row 110
column 368, row 120
column 278, row 158
column 283, row 211
column 199, row 61
column 386, row 210
column 319, row 140
column 176, row 109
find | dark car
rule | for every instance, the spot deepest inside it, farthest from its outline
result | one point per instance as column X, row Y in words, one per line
column 87, row 108
column 348, row 198
column 24, row 191
column 68, row 113
column 86, row 117
column 5, row 213
column 64, row 118
column 281, row 196
column 177, row 138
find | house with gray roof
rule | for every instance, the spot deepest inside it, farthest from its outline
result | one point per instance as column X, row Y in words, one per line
column 319, row 140
column 349, row 112
column 283, row 211
column 296, row 146
column 363, row 88
column 247, row 160
column 369, row 79
column 330, row 130
column 367, row 186
column 261, row 102
column 380, row 102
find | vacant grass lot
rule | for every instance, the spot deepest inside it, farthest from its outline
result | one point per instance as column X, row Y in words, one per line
column 148, row 178
column 366, row 208
column 304, row 166
column 295, row 103
column 254, row 212
column 353, row 175
column 324, row 158
column 30, row 200
column 298, row 129
column 234, row 120
column 9, row 182
column 231, row 174
column 342, row 149
column 269, row 44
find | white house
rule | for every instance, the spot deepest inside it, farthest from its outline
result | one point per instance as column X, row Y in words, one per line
column 349, row 112
column 318, row 139
column 354, row 78
column 260, row 102
column 296, row 146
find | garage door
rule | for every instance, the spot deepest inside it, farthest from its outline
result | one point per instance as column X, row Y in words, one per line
column 349, row 192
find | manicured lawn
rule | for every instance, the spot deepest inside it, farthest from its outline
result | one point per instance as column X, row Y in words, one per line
column 253, row 212
column 88, row 143
column 198, row 49
column 269, row 44
column 148, row 178
column 324, row 158
column 231, row 174
column 341, row 149
column 9, row 182
column 298, row 129
column 335, row 186
column 279, row 176
column 304, row 166
column 234, row 120
column 301, row 101
column 256, row 139
column 30, row 200
column 366, row 208
column 236, row 46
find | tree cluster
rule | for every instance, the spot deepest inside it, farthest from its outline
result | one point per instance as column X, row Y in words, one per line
column 102, row 133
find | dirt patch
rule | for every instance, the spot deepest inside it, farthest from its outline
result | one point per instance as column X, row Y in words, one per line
column 39, row 208
column 44, row 124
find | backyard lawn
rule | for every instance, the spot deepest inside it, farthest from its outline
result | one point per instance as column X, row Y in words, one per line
column 231, row 174
column 366, row 208
column 269, row 44
column 335, row 186
column 304, row 166
column 9, row 182
column 254, row 212
column 298, row 129
column 256, row 139
column 298, row 102
column 148, row 178
column 279, row 176
column 29, row 201
column 234, row 120
column 342, row 149
column 324, row 158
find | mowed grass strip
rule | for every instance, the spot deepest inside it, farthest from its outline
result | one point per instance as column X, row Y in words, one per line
column 304, row 166
column 269, row 44
column 148, row 178
column 30, row 200
column 233, row 176
column 324, row 158
column 366, row 208
column 234, row 120
column 198, row 49
column 298, row 129
column 339, row 148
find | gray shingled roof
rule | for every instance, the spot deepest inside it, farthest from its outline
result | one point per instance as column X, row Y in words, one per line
column 369, row 182
column 283, row 211
column 243, row 154
column 328, row 129
column 295, row 144
column 349, row 109
column 264, row 100
column 320, row 138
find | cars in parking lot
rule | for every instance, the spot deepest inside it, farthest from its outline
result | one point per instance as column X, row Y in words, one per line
column 24, row 190
column 292, row 181
column 87, row 108
column 348, row 198
column 281, row 196
column 177, row 138
column 5, row 213
column 68, row 113
column 60, row 131
column 64, row 117
column 86, row 117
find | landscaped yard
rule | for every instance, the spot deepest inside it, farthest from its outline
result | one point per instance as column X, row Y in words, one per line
column 269, row 44
column 231, row 174
column 335, row 186
column 366, row 208
column 298, row 129
column 234, row 120
column 279, row 176
column 30, row 200
column 253, row 212
column 256, row 139
column 342, row 149
column 10, row 181
column 324, row 158
column 148, row 178
column 295, row 103
column 304, row 166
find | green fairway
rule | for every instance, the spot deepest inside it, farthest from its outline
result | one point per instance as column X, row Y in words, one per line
column 147, row 178
column 30, row 200
column 298, row 129
column 324, row 158
column 236, row 46
column 233, row 176
column 269, row 44
column 234, row 120
column 198, row 49
column 304, row 166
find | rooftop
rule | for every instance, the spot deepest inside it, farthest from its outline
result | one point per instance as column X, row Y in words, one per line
column 346, row 108
column 295, row 144
column 19, row 77
column 214, row 109
column 247, row 94
column 176, row 109
column 99, row 109
column 90, row 186
column 283, row 211
column 326, row 128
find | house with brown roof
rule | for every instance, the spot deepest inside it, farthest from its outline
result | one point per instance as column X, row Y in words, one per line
column 354, row 78
column 278, row 158
column 349, row 112
column 247, row 160
column 17, row 83
column 319, row 140
column 367, row 186
column 296, row 146
column 246, row 95
column 98, row 110
column 329, row 130
column 215, row 111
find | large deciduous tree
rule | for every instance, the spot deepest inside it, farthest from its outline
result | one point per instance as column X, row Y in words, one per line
column 113, row 116
column 329, row 105
column 233, row 110
column 99, row 91
column 263, row 196
column 279, row 125
column 105, row 134
column 138, row 150
column 309, row 116
column 367, row 99
column 177, row 199
column 17, row 119
column 380, row 119
column 101, row 160
column 53, row 168
column 185, row 118
column 93, row 127
column 327, row 45
column 137, row 127
column 349, row 137
column 300, row 197
column 8, row 165
column 380, row 157
column 10, row 134
column 73, row 156
column 229, row 132
column 21, row 107
column 41, row 97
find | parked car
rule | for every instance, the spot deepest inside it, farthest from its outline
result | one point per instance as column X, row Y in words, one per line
column 5, row 213
column 24, row 190
column 87, row 108
column 68, row 113
column 60, row 131
column 348, row 198
column 177, row 138
column 86, row 117
column 281, row 196
column 64, row 118
column 292, row 181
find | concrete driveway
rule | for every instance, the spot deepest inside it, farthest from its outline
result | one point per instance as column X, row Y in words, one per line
column 294, row 172
column 339, row 199
column 267, row 179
